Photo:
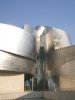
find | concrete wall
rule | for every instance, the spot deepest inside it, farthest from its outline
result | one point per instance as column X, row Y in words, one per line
column 11, row 82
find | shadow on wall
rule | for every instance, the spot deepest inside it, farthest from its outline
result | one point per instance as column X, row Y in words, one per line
column 30, row 95
column 39, row 95
column 9, row 73
column 59, row 95
column 62, row 95
column 66, row 95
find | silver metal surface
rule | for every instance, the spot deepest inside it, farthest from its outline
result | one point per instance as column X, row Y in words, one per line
column 39, row 31
column 48, row 38
column 18, row 47
column 61, row 61
column 61, row 56
column 11, row 62
column 60, row 53
column 61, row 38
column 56, row 38
column 16, row 40
column 49, row 41
column 67, row 70
column 53, row 38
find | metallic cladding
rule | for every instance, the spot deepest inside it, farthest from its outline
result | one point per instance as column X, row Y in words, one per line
column 60, row 37
column 17, row 48
column 62, row 61
column 53, row 38
column 11, row 62
column 17, row 40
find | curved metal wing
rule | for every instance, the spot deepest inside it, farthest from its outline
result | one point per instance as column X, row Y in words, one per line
column 61, row 38
column 61, row 61
column 11, row 62
column 16, row 40
column 17, row 48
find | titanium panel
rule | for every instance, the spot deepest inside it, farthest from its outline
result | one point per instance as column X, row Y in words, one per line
column 11, row 62
column 16, row 40
column 48, row 42
column 62, row 62
column 61, row 38
column 53, row 38
column 56, row 58
column 39, row 31
column 67, row 70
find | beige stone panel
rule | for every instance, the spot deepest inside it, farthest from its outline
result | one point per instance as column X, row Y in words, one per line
column 11, row 82
column 66, row 84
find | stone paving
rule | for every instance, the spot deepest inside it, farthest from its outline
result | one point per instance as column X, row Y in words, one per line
column 35, row 99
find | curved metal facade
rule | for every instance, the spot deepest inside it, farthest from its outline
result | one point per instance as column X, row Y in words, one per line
column 67, row 69
column 40, row 30
column 17, row 48
column 53, row 38
column 16, row 40
column 11, row 62
column 60, row 37
column 62, row 61
column 48, row 42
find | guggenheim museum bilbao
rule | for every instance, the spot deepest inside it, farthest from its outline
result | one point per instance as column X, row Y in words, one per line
column 43, row 52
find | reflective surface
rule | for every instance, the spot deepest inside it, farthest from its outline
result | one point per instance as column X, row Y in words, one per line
column 18, row 47
column 49, row 41
column 62, row 61
column 53, row 38
column 58, row 53
column 67, row 70
column 47, row 38
column 16, row 40
column 61, row 38
column 11, row 62
column 61, row 56
column 40, row 30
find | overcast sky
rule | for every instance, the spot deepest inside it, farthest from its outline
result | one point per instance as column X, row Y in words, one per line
column 55, row 13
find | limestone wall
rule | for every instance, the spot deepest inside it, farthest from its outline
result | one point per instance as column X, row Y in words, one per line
column 11, row 82
column 66, row 84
